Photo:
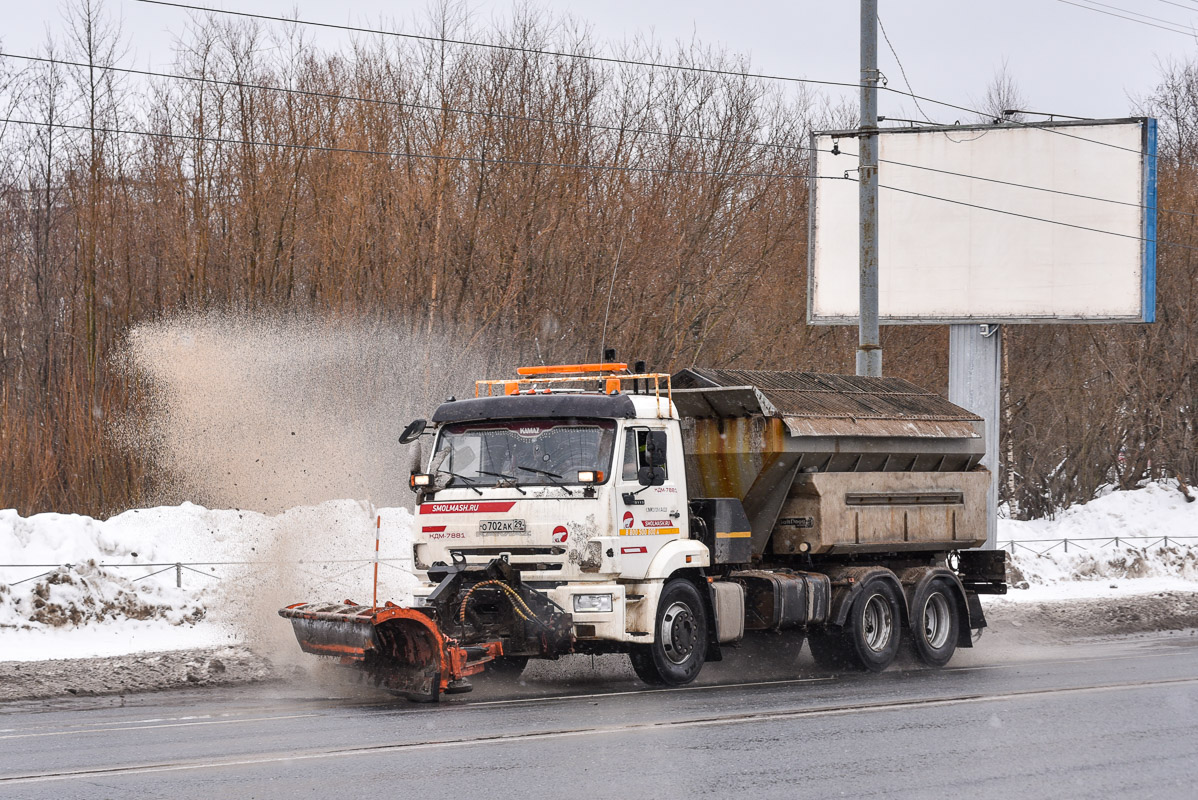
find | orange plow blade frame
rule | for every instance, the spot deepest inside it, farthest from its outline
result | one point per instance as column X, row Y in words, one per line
column 402, row 649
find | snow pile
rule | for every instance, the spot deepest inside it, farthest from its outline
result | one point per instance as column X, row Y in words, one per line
column 100, row 594
column 240, row 568
column 84, row 593
column 1156, row 510
column 1092, row 565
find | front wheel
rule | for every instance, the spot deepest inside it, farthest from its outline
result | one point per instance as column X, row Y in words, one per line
column 679, row 645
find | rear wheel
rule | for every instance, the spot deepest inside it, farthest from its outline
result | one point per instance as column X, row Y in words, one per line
column 679, row 645
column 874, row 626
column 935, row 623
column 869, row 639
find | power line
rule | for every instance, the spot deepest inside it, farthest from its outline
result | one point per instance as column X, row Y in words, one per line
column 401, row 154
column 1038, row 219
column 513, row 162
column 507, row 47
column 1025, row 186
column 596, row 126
column 1171, row 2
column 1135, row 13
column 1179, row 5
column 1119, row 16
column 405, row 104
column 609, row 59
column 902, row 70
column 321, row 95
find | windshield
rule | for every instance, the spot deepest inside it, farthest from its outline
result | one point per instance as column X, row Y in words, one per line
column 526, row 452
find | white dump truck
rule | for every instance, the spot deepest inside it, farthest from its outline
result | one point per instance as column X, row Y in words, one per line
column 590, row 509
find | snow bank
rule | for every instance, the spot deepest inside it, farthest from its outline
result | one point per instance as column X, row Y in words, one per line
column 241, row 568
column 244, row 566
column 1042, row 568
column 1156, row 510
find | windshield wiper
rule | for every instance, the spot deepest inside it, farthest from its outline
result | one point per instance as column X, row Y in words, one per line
column 553, row 476
column 464, row 480
column 511, row 478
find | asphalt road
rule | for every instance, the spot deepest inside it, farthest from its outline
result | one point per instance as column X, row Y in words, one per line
column 1008, row 720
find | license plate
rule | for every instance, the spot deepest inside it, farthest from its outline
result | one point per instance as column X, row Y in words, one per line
column 502, row 526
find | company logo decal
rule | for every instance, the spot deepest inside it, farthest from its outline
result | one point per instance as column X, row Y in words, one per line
column 627, row 519
column 658, row 523
column 560, row 534
column 649, row 531
column 465, row 508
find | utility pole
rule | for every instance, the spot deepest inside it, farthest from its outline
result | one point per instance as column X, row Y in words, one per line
column 869, row 346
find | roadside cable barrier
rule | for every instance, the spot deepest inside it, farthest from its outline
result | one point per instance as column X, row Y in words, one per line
column 192, row 566
column 1035, row 546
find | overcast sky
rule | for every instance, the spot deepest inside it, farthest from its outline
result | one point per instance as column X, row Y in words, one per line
column 1065, row 59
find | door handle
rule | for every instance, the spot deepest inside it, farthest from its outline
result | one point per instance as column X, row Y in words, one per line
column 675, row 514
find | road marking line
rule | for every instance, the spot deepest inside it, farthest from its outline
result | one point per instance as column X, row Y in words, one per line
column 124, row 727
column 464, row 704
column 507, row 738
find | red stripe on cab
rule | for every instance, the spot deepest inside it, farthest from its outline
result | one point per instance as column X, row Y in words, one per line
column 466, row 508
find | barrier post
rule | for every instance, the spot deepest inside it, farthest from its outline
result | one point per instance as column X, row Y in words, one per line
column 378, row 524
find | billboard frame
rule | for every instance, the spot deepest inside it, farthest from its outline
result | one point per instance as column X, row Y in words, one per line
column 1148, row 249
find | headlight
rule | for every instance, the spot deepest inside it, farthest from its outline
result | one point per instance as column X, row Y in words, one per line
column 592, row 603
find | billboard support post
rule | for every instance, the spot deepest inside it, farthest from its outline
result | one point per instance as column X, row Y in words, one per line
column 869, row 347
column 975, row 384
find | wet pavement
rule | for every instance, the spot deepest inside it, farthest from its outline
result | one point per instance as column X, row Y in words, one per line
column 1009, row 719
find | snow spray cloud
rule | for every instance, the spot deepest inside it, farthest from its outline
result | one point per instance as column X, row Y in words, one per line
column 269, row 412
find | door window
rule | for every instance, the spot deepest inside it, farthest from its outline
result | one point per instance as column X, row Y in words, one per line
column 636, row 455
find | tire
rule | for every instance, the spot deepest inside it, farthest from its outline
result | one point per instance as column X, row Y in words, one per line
column 872, row 632
column 679, row 645
column 935, row 623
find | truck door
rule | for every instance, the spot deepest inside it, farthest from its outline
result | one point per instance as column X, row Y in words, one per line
column 649, row 516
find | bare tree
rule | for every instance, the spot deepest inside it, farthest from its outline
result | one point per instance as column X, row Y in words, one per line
column 1002, row 96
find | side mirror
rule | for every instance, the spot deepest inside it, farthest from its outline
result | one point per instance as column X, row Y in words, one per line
column 651, row 476
column 655, row 448
column 413, row 431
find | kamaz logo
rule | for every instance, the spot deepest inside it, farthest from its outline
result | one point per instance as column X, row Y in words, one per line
column 530, row 431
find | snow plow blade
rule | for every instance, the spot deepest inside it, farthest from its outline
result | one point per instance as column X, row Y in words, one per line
column 402, row 649
column 476, row 614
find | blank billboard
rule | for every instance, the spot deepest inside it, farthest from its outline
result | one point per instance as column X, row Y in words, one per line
column 1051, row 222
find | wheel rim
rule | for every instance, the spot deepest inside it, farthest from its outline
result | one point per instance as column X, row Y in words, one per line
column 935, row 621
column 678, row 632
column 877, row 623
